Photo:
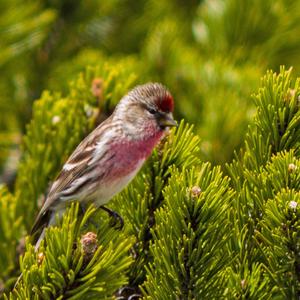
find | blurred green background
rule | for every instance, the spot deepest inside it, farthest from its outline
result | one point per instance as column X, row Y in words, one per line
column 211, row 55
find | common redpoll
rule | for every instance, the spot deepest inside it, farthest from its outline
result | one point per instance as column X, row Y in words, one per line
column 111, row 155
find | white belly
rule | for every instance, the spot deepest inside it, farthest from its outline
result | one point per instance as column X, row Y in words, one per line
column 108, row 189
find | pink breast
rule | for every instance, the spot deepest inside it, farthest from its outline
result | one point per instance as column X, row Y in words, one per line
column 129, row 154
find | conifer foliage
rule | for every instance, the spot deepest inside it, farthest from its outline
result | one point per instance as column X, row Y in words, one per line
column 191, row 232
column 266, row 179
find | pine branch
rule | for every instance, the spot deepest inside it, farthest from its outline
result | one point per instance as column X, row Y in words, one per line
column 11, row 229
column 74, row 264
column 266, row 169
column 139, row 202
column 58, row 125
column 189, row 235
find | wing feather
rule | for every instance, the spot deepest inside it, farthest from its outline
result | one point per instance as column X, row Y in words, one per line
column 73, row 169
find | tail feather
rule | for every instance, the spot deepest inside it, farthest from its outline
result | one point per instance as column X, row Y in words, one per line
column 39, row 240
column 39, row 226
column 38, row 233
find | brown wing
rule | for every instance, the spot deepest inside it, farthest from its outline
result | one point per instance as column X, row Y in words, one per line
column 80, row 158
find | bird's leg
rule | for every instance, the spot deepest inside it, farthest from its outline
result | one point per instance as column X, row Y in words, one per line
column 83, row 208
column 115, row 216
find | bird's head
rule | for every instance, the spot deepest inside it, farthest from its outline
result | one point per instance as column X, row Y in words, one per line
column 147, row 106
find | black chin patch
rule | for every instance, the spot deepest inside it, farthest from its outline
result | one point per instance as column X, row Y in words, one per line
column 163, row 127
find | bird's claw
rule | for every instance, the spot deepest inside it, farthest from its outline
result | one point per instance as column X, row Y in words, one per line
column 116, row 218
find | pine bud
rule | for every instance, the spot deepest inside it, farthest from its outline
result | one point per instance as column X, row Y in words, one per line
column 40, row 258
column 292, row 168
column 97, row 88
column 55, row 120
column 195, row 191
column 293, row 205
column 89, row 243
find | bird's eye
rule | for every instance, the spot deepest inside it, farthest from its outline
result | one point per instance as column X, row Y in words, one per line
column 152, row 111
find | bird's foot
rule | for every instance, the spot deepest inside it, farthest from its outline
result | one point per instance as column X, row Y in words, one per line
column 116, row 217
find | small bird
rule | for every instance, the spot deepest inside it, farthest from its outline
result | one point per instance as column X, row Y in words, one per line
column 111, row 155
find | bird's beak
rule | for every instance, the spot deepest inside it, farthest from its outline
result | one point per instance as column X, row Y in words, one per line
column 166, row 120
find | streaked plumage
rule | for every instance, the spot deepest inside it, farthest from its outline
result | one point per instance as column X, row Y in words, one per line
column 110, row 156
